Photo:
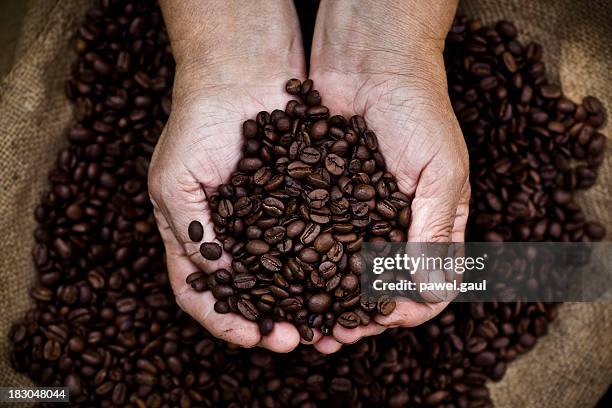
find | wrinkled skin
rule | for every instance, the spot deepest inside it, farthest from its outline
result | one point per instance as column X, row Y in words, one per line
column 403, row 98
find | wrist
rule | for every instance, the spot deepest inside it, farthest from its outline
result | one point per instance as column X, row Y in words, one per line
column 232, row 41
column 382, row 36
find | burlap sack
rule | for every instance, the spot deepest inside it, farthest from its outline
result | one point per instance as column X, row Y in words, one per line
column 572, row 366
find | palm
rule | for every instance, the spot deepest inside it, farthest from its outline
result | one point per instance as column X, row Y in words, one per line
column 199, row 150
column 420, row 140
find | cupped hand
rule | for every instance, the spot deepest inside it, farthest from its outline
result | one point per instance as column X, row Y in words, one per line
column 231, row 63
column 400, row 89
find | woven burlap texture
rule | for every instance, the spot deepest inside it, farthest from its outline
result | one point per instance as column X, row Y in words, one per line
column 570, row 367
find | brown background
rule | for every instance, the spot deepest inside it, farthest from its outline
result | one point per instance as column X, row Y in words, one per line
column 570, row 367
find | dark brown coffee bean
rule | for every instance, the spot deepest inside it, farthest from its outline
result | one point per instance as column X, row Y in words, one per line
column 310, row 233
column 266, row 325
column 298, row 169
column 306, row 332
column 244, row 281
column 319, row 129
column 323, row 242
column 308, row 255
column 195, row 231
column 257, row 247
column 210, row 250
column 273, row 207
column 334, row 164
column 247, row 309
column 386, row 306
column 293, row 86
column 327, row 269
column 364, row 192
column 271, row 263
column 295, row 228
column 318, row 198
column 319, row 303
column 250, row 164
column 348, row 319
column 222, row 291
column 221, row 307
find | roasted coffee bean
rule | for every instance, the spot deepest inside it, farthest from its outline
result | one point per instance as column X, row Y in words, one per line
column 210, row 250
column 310, row 233
column 275, row 234
column 348, row 320
column 364, row 192
column 271, row 263
column 195, row 231
column 319, row 129
column 318, row 198
column 306, row 332
column 273, row 206
column 257, row 247
column 334, row 164
column 244, row 281
column 298, row 169
column 221, row 307
column 247, row 309
column 386, row 306
column 308, row 255
column 323, row 242
column 327, row 269
column 266, row 325
column 294, row 86
column 310, row 155
column 296, row 228
column 319, row 303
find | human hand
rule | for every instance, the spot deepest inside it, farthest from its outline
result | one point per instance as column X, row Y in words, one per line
column 383, row 60
column 216, row 89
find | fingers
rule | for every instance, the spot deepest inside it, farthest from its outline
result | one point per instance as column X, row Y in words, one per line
column 350, row 336
column 230, row 327
column 283, row 338
column 461, row 216
column 328, row 345
column 410, row 314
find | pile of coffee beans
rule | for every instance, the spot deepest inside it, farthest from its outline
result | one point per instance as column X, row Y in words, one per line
column 530, row 147
column 308, row 191
column 105, row 323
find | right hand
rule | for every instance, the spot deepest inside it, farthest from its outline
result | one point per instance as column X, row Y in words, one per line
column 215, row 91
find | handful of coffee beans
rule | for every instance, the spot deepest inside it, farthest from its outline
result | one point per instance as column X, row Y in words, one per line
column 105, row 323
column 308, row 191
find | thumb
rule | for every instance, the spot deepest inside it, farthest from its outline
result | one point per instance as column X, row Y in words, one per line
column 437, row 197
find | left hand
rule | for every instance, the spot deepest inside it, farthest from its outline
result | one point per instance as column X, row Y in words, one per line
column 399, row 86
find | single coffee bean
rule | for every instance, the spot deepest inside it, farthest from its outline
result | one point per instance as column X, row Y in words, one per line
column 293, row 86
column 319, row 303
column 247, row 309
column 257, row 247
column 310, row 155
column 364, row 192
column 386, row 306
column 310, row 233
column 334, row 164
column 306, row 332
column 349, row 320
column 266, row 325
column 323, row 242
column 195, row 231
column 244, row 281
column 271, row 263
column 210, row 250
